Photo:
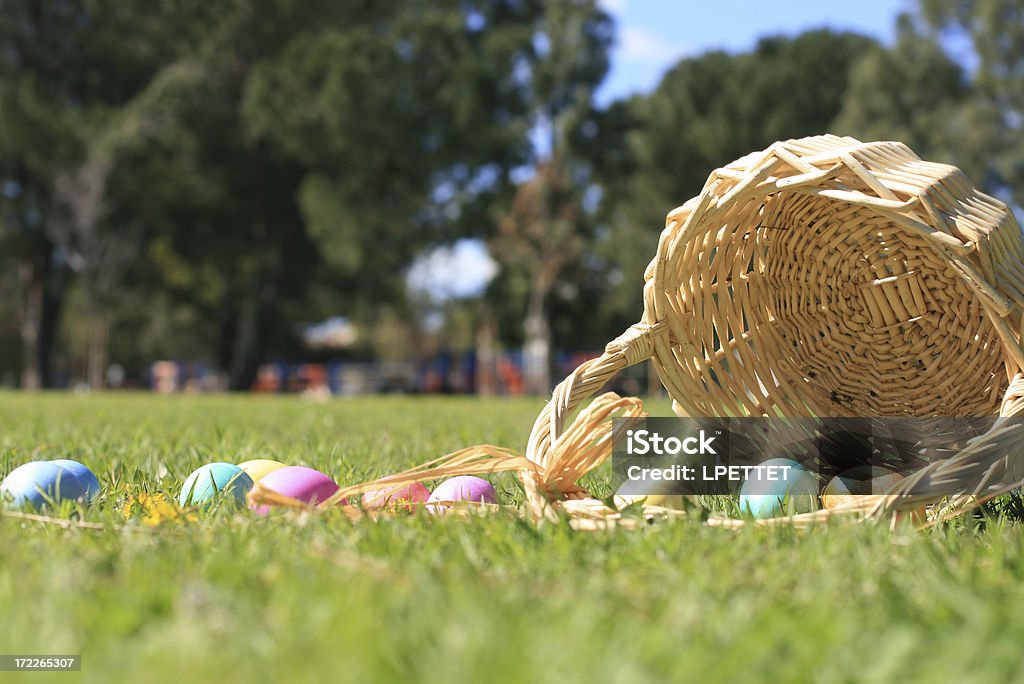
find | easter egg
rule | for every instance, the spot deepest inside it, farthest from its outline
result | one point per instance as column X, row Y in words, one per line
column 767, row 495
column 84, row 475
column 855, row 483
column 463, row 488
column 867, row 484
column 651, row 493
column 259, row 468
column 298, row 482
column 410, row 494
column 38, row 483
column 674, row 501
column 208, row 481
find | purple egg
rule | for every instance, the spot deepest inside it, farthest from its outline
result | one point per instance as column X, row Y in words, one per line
column 298, row 482
column 463, row 488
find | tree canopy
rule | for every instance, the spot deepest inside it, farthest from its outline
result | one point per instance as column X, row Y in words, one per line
column 200, row 180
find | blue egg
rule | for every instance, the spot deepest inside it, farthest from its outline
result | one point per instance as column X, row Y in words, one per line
column 212, row 479
column 84, row 475
column 38, row 484
column 792, row 491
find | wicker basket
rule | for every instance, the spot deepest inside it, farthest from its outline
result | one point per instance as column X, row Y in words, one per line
column 821, row 276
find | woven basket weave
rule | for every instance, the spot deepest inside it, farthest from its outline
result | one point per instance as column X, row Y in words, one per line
column 818, row 277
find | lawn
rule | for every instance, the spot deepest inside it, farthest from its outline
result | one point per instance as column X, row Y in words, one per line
column 235, row 597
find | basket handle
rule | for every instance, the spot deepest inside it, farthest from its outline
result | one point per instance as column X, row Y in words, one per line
column 633, row 346
column 981, row 464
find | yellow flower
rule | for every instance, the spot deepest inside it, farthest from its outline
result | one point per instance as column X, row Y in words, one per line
column 155, row 509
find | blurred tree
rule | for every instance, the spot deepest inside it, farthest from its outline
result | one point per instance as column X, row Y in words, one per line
column 915, row 93
column 37, row 88
column 64, row 68
column 9, row 338
column 707, row 111
column 99, row 253
column 988, row 133
column 217, row 173
column 226, row 239
column 546, row 229
column 589, row 309
column 409, row 123
column 311, row 150
column 540, row 236
column 321, row 147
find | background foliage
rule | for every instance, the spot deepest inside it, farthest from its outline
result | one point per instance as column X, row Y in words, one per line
column 201, row 179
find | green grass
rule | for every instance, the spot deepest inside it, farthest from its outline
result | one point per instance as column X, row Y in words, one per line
column 235, row 597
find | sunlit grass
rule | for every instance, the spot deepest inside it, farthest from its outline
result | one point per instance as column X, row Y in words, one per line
column 232, row 596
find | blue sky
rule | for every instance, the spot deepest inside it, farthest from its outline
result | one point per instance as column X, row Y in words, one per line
column 652, row 35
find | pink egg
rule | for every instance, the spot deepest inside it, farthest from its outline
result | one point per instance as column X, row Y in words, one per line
column 463, row 488
column 410, row 494
column 298, row 482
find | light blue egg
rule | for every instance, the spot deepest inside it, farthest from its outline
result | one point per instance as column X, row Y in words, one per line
column 766, row 498
column 38, row 484
column 212, row 479
column 84, row 475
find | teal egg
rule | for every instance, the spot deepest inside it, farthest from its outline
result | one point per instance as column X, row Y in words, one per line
column 763, row 497
column 84, row 475
column 214, row 479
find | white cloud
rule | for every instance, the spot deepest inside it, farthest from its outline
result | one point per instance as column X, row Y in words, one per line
column 613, row 6
column 462, row 270
column 639, row 44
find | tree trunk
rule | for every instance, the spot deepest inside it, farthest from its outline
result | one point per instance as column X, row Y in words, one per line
column 40, row 316
column 253, row 329
column 537, row 347
column 259, row 305
column 34, row 290
column 53, row 302
column 486, row 358
column 99, row 334
column 245, row 351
